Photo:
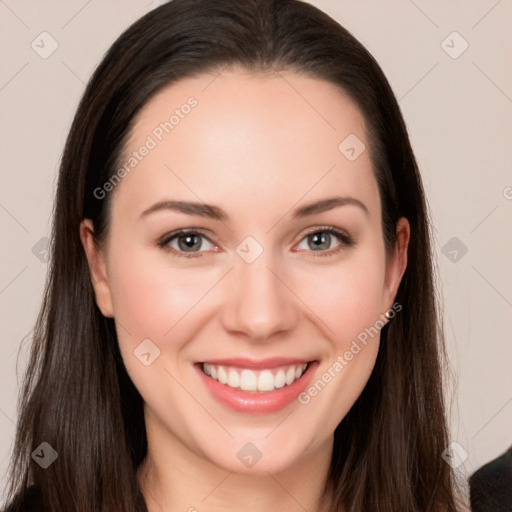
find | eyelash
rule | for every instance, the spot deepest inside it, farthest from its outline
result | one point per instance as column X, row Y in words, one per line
column 345, row 239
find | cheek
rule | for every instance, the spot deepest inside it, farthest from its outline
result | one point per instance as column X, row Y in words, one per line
column 347, row 296
column 149, row 296
column 152, row 300
column 348, row 299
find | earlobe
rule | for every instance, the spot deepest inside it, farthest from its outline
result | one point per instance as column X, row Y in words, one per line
column 398, row 261
column 97, row 268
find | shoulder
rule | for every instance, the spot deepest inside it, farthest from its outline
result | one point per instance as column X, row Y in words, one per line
column 30, row 500
column 490, row 485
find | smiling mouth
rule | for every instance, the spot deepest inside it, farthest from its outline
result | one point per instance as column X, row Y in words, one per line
column 252, row 380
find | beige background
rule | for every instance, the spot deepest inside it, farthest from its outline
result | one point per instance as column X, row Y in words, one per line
column 458, row 111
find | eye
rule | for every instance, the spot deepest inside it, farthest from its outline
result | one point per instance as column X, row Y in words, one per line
column 326, row 241
column 187, row 242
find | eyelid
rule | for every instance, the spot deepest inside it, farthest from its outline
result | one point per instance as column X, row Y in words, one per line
column 346, row 240
column 330, row 229
column 165, row 239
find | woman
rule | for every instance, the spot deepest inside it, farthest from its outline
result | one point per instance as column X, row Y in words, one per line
column 240, row 311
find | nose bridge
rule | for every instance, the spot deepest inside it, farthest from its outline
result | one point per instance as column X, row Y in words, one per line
column 259, row 304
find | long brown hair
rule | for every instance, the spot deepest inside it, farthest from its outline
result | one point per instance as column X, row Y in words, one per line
column 76, row 394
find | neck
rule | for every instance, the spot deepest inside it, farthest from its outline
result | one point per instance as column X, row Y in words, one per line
column 173, row 478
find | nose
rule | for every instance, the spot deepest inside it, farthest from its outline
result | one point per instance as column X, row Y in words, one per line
column 260, row 305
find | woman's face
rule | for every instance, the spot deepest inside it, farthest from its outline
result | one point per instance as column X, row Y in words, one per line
column 284, row 266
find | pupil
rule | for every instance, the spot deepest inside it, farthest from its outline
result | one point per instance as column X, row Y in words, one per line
column 321, row 240
column 189, row 241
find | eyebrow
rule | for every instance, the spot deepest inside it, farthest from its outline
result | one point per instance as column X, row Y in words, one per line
column 214, row 212
column 328, row 204
column 191, row 208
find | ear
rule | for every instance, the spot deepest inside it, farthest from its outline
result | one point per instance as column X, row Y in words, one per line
column 96, row 259
column 397, row 262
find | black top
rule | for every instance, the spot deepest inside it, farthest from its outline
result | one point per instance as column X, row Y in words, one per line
column 490, row 489
column 491, row 486
column 30, row 501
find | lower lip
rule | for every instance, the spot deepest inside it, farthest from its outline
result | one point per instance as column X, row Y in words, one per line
column 258, row 403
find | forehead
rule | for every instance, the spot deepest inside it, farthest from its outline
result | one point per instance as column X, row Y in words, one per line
column 246, row 138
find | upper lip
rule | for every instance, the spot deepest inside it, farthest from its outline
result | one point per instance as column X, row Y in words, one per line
column 258, row 364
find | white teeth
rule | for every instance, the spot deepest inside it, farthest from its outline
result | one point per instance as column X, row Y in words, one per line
column 266, row 381
column 290, row 376
column 249, row 380
column 233, row 379
column 279, row 379
column 222, row 376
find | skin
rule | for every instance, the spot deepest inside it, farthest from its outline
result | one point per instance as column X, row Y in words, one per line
column 258, row 148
